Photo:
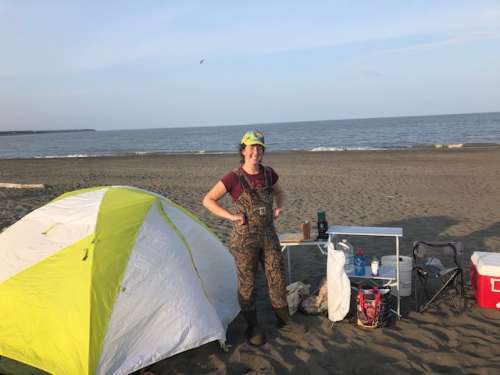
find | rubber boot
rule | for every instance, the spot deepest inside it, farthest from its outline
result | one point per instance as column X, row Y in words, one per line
column 286, row 323
column 254, row 334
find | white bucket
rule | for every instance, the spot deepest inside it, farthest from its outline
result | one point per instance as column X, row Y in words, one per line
column 388, row 268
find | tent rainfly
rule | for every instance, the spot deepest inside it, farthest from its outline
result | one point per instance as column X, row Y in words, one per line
column 108, row 280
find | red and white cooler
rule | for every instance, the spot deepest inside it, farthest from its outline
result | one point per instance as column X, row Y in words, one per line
column 485, row 279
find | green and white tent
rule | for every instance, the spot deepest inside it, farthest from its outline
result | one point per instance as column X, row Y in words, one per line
column 109, row 280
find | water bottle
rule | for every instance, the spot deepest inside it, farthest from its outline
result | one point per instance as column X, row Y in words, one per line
column 359, row 263
column 348, row 250
column 374, row 265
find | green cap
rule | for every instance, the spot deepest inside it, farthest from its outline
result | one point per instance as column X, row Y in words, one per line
column 253, row 137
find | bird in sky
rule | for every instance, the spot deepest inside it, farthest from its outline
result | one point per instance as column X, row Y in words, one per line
column 202, row 61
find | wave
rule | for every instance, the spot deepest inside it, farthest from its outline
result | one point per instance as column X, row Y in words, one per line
column 456, row 145
column 64, row 156
column 451, row 146
column 121, row 154
column 327, row 149
column 196, row 152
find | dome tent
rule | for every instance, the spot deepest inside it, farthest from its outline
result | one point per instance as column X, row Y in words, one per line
column 108, row 280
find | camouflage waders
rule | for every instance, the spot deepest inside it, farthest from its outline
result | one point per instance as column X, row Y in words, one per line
column 256, row 241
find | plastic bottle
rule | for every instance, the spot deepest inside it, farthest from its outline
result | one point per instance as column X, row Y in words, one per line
column 348, row 250
column 374, row 265
column 359, row 263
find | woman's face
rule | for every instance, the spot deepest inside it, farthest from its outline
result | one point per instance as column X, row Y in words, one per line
column 253, row 154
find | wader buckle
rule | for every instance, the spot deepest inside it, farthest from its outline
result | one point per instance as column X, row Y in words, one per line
column 262, row 211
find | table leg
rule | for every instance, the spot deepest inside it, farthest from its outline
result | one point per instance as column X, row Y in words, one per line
column 397, row 277
column 289, row 265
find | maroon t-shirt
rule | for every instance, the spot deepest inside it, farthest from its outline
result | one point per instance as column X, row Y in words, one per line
column 233, row 185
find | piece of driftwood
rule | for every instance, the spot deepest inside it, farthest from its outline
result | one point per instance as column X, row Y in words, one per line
column 9, row 185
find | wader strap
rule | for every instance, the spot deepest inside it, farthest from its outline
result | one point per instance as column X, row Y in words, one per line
column 268, row 179
column 245, row 183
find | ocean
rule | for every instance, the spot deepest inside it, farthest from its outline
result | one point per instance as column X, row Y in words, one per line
column 481, row 129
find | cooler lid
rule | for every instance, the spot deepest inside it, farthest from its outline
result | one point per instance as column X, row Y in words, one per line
column 487, row 264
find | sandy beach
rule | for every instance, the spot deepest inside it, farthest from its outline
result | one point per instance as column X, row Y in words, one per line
column 445, row 194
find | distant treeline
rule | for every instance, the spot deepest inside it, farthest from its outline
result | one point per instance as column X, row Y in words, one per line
column 20, row 132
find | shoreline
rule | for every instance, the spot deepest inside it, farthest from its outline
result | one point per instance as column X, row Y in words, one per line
column 319, row 150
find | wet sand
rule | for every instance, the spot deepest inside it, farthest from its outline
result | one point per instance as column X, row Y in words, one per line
column 431, row 194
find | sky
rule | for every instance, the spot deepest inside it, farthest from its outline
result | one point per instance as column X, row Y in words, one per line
column 155, row 64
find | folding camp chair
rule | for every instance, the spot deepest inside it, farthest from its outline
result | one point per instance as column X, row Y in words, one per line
column 437, row 273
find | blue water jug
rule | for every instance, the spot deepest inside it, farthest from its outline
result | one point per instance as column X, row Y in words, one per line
column 359, row 263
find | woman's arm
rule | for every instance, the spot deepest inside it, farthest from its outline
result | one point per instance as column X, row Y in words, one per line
column 211, row 202
column 279, row 199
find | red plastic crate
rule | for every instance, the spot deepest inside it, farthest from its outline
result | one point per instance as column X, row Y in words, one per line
column 485, row 279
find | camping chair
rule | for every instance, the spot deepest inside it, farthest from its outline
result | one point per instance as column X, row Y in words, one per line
column 437, row 273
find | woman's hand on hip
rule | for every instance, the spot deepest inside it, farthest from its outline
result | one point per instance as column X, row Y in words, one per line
column 238, row 218
column 277, row 212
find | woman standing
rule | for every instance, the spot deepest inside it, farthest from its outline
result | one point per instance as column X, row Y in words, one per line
column 258, row 200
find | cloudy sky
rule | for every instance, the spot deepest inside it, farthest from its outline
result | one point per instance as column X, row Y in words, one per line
column 136, row 64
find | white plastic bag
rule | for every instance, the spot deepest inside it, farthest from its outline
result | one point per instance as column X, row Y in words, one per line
column 316, row 303
column 338, row 285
